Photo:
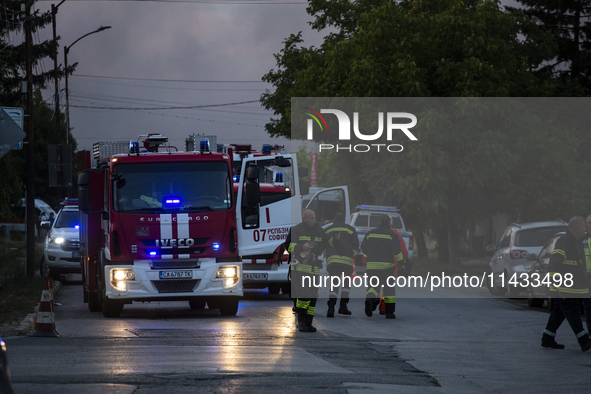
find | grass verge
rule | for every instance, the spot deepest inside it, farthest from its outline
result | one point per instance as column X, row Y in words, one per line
column 19, row 293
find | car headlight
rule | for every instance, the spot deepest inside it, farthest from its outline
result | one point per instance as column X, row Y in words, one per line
column 120, row 277
column 56, row 240
column 229, row 274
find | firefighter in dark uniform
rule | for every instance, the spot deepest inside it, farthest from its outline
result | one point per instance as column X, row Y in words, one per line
column 568, row 258
column 587, row 248
column 306, row 246
column 342, row 243
column 381, row 247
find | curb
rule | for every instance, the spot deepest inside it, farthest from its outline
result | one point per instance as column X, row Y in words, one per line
column 27, row 323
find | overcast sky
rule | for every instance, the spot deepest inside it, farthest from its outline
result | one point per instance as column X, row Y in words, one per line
column 153, row 56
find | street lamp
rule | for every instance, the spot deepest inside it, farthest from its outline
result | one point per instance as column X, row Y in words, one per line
column 66, row 50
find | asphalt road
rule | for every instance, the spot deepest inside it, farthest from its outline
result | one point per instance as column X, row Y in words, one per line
column 447, row 345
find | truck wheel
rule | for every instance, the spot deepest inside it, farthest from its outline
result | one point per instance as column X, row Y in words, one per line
column 274, row 289
column 112, row 308
column 197, row 304
column 228, row 306
column 94, row 304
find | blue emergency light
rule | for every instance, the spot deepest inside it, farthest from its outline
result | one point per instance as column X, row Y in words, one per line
column 172, row 202
column 134, row 147
column 153, row 253
column 77, row 227
column 216, row 246
column 236, row 178
column 204, row 146
column 266, row 148
column 279, row 177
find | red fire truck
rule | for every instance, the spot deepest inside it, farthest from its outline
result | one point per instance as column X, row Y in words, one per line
column 167, row 226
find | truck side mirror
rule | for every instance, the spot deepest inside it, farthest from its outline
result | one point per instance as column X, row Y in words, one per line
column 304, row 187
column 282, row 162
column 83, row 191
column 253, row 191
column 252, row 173
column 303, row 172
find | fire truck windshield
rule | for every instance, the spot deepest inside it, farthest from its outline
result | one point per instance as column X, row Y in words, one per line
column 188, row 186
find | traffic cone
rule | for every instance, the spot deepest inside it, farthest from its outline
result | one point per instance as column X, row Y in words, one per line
column 45, row 320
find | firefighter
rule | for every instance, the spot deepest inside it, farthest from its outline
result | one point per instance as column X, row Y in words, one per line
column 306, row 246
column 568, row 258
column 382, row 249
column 587, row 248
column 397, row 270
column 342, row 242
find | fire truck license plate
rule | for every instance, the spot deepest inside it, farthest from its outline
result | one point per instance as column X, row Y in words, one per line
column 176, row 274
column 260, row 276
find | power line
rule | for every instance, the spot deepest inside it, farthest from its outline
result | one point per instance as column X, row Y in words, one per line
column 163, row 80
column 164, row 108
column 237, row 2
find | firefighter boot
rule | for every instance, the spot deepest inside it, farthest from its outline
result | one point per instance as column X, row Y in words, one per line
column 550, row 342
column 306, row 325
column 368, row 307
column 343, row 310
column 390, row 309
column 301, row 321
column 331, row 303
column 585, row 342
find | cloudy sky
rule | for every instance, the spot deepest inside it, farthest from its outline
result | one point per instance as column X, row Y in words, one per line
column 162, row 54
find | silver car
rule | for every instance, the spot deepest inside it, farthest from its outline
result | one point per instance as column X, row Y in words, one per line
column 62, row 244
column 509, row 260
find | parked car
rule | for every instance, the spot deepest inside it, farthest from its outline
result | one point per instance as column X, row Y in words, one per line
column 536, row 295
column 17, row 222
column 62, row 244
column 510, row 253
column 367, row 217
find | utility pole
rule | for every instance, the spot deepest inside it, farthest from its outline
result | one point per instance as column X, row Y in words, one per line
column 30, row 181
column 57, row 94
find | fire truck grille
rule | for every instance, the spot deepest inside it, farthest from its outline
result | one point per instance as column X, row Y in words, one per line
column 172, row 264
column 175, row 286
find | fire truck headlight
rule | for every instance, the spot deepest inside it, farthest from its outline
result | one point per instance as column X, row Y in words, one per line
column 119, row 277
column 229, row 274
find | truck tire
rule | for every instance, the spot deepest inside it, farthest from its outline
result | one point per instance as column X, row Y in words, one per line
column 197, row 303
column 94, row 303
column 228, row 306
column 112, row 308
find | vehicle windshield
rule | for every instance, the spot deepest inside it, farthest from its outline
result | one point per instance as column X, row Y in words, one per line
column 157, row 187
column 374, row 221
column 536, row 236
column 67, row 219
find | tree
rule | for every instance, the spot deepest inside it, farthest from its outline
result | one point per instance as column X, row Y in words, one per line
column 568, row 23
column 12, row 73
column 424, row 49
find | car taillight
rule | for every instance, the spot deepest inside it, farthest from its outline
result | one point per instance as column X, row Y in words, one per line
column 411, row 242
column 518, row 254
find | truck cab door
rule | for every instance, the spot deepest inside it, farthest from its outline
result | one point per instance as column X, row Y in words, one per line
column 263, row 227
column 327, row 202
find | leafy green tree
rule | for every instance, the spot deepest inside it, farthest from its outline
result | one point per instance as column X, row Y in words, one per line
column 448, row 48
column 12, row 73
column 568, row 23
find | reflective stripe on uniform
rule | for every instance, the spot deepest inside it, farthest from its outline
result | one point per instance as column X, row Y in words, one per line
column 374, row 265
